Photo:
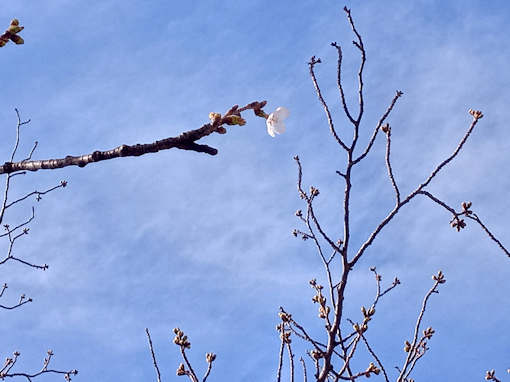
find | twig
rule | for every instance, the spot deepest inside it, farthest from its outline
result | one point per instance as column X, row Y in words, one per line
column 339, row 82
column 398, row 94
column 153, row 355
column 304, row 369
column 375, row 357
column 311, row 64
column 388, row 163
column 489, row 233
column 412, row 352
column 280, row 356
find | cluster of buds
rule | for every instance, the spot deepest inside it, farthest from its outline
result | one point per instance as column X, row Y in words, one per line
column 299, row 213
column 286, row 320
column 314, row 191
column 210, row 357
column 466, row 208
column 477, row 114
column 302, row 234
column 457, row 223
column 217, row 121
column 67, row 376
column 285, row 336
column 257, row 109
column 181, row 370
column 460, row 223
column 285, row 317
column 439, row 278
column 386, row 128
column 320, row 299
column 11, row 33
column 316, row 354
column 234, row 120
column 180, row 339
column 490, row 375
column 428, row 333
column 372, row 369
column 420, row 349
column 360, row 329
column 367, row 314
column 233, row 117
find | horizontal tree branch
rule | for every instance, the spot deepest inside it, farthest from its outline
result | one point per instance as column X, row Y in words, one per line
column 185, row 141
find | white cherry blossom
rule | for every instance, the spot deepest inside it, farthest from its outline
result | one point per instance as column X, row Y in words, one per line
column 274, row 121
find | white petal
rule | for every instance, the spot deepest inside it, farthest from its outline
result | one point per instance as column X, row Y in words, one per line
column 282, row 112
column 279, row 128
column 270, row 130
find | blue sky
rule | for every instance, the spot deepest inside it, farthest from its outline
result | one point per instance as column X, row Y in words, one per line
column 204, row 243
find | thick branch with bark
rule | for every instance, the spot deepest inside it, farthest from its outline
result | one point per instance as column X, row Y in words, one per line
column 185, row 141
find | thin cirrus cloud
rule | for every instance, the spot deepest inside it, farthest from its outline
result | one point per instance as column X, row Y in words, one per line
column 204, row 243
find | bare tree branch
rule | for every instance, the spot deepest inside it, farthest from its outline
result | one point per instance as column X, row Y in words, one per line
column 378, row 126
column 413, row 348
column 311, row 64
column 158, row 374
column 185, row 141
column 387, row 129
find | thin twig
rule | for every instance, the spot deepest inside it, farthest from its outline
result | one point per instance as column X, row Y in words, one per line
column 410, row 355
column 153, row 355
column 280, row 357
column 489, row 233
column 339, row 82
column 388, row 164
column 304, row 369
column 311, row 64
column 375, row 357
column 398, row 94
column 291, row 362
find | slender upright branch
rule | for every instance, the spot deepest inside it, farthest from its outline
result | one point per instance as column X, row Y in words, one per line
column 314, row 61
column 155, row 363
column 304, row 369
column 339, row 83
column 398, row 94
column 387, row 129
column 358, row 44
column 280, row 354
column 412, row 348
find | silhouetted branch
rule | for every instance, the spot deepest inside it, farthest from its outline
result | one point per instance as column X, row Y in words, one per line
column 378, row 126
column 339, row 82
column 155, row 363
column 416, row 349
column 460, row 223
column 185, row 141
column 304, row 369
column 311, row 64
column 5, row 371
column 387, row 129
